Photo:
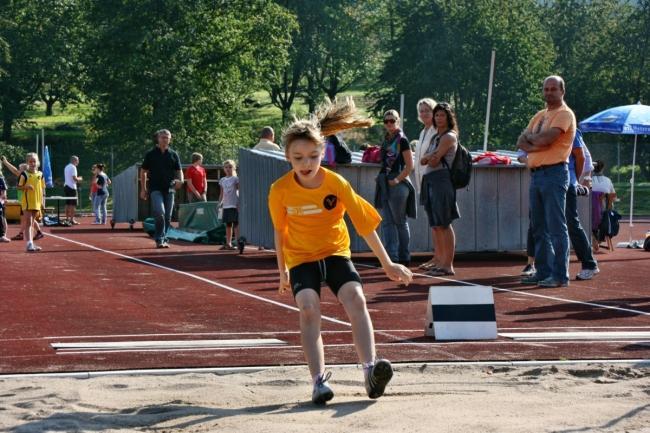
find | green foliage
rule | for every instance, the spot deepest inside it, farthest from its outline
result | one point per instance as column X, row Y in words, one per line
column 625, row 170
column 334, row 47
column 43, row 37
column 195, row 66
column 641, row 199
column 443, row 50
column 184, row 66
column 12, row 153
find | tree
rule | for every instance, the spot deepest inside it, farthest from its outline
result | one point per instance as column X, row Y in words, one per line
column 283, row 82
column 334, row 47
column 185, row 66
column 43, row 38
column 443, row 50
column 342, row 50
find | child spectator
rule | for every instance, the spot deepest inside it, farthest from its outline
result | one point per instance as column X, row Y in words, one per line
column 32, row 184
column 101, row 196
column 229, row 198
column 307, row 207
column 19, row 196
column 196, row 180
column 93, row 192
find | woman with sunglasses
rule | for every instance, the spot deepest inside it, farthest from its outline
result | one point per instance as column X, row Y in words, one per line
column 438, row 195
column 394, row 194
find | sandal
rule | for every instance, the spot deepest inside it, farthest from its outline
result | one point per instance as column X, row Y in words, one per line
column 431, row 264
column 440, row 272
column 227, row 247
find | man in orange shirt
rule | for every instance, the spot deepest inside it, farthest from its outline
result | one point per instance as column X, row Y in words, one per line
column 548, row 140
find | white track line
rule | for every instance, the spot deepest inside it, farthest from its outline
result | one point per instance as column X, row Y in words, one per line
column 428, row 345
column 196, row 277
column 536, row 295
column 167, row 344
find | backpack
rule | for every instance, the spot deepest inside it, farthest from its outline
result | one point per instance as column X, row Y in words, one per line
column 329, row 158
column 461, row 167
column 336, row 151
column 342, row 153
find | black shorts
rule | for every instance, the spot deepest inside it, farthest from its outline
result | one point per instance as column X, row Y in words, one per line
column 69, row 192
column 334, row 270
column 230, row 216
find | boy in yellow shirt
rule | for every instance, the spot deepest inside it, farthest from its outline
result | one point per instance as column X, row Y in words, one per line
column 32, row 184
column 307, row 206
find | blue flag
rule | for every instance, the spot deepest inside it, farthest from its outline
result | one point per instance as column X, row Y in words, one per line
column 47, row 168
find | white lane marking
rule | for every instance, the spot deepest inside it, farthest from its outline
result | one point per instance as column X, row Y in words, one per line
column 428, row 345
column 536, row 295
column 196, row 277
column 167, row 344
column 544, row 336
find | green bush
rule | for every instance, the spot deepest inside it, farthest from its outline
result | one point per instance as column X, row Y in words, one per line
column 626, row 170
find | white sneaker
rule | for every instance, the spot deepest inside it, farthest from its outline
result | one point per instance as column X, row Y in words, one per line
column 31, row 248
column 5, row 239
column 528, row 271
column 322, row 391
column 587, row 274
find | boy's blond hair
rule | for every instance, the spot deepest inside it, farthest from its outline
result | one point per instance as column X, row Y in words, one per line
column 329, row 119
column 196, row 156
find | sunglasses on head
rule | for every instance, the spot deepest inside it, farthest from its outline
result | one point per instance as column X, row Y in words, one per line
column 389, row 121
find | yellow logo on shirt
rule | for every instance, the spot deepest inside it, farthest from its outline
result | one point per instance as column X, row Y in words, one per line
column 309, row 209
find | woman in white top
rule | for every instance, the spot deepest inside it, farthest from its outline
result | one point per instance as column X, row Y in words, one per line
column 601, row 183
column 425, row 115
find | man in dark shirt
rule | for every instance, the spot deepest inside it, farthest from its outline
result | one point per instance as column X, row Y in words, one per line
column 162, row 167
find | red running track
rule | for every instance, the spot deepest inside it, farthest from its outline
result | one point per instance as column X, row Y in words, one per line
column 94, row 284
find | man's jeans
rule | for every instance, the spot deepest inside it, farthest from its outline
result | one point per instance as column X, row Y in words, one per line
column 162, row 204
column 579, row 239
column 548, row 191
column 394, row 226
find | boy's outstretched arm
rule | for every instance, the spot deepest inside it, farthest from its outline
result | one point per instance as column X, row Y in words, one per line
column 394, row 271
column 282, row 266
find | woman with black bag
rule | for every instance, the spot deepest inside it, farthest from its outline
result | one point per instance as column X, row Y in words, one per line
column 438, row 195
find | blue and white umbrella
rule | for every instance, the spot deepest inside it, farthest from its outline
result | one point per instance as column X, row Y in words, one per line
column 627, row 119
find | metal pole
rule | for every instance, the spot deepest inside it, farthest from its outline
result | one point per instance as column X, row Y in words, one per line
column 401, row 108
column 37, row 138
column 618, row 156
column 632, row 187
column 489, row 102
column 43, row 142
